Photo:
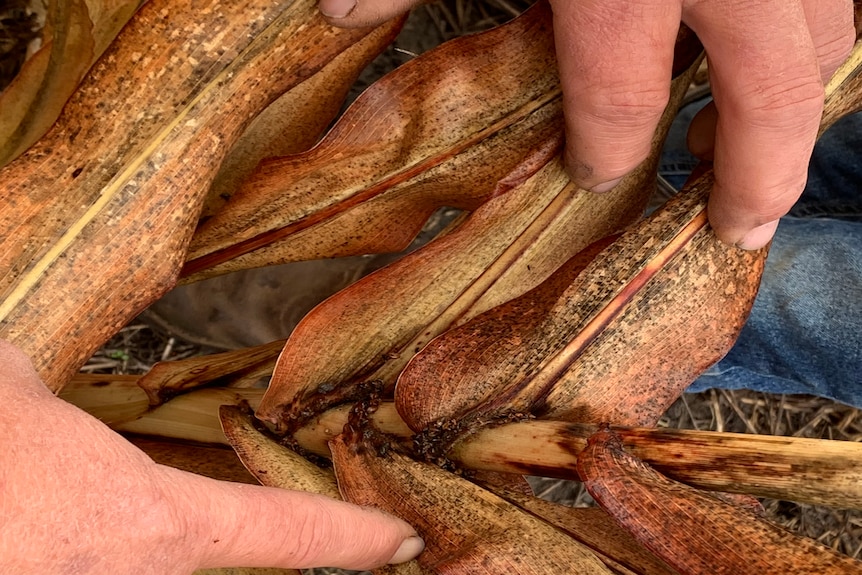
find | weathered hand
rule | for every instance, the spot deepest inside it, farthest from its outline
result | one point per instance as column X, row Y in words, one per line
column 77, row 498
column 767, row 59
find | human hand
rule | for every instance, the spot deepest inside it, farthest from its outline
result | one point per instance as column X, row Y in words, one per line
column 768, row 62
column 78, row 498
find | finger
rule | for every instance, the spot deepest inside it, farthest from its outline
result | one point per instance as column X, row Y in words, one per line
column 767, row 89
column 252, row 526
column 830, row 23
column 362, row 13
column 615, row 59
column 17, row 372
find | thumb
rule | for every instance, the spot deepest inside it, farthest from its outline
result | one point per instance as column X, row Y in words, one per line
column 362, row 13
column 237, row 525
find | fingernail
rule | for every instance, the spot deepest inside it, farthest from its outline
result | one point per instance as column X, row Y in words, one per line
column 410, row 549
column 336, row 8
column 758, row 237
column 605, row 186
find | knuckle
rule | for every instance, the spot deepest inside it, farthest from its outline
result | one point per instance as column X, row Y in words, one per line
column 831, row 54
column 785, row 103
column 626, row 108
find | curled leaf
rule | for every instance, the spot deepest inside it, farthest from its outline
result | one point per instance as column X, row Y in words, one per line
column 420, row 138
column 534, row 221
column 132, row 156
column 242, row 368
column 617, row 342
column 466, row 528
column 270, row 462
column 693, row 531
column 275, row 465
column 76, row 33
column 297, row 119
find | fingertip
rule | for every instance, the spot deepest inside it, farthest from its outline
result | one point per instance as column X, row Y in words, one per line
column 336, row 9
column 605, row 186
column 752, row 239
column 585, row 177
column 409, row 549
column 758, row 237
column 362, row 13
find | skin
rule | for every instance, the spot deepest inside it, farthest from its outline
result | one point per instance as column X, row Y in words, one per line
column 768, row 61
column 77, row 498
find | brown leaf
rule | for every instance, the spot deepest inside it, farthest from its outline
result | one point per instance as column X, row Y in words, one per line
column 534, row 221
column 275, row 465
column 270, row 462
column 243, row 368
column 619, row 342
column 131, row 158
column 217, row 462
column 436, row 132
column 466, row 528
column 76, row 33
column 297, row 119
column 597, row 530
column 695, row 532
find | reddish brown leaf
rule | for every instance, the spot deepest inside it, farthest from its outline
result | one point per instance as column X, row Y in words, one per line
column 531, row 225
column 693, row 531
column 619, row 342
column 131, row 158
column 297, row 119
column 437, row 132
column 466, row 528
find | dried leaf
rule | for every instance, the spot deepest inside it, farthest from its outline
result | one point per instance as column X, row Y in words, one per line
column 618, row 343
column 693, row 531
column 466, row 529
column 420, row 138
column 535, row 220
column 218, row 462
column 275, row 465
column 132, row 157
column 296, row 120
column 597, row 530
column 243, row 367
column 270, row 462
column 76, row 33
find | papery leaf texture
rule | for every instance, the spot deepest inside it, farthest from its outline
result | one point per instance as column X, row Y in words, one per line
column 534, row 221
column 466, row 528
column 76, row 33
column 132, row 157
column 691, row 530
column 614, row 341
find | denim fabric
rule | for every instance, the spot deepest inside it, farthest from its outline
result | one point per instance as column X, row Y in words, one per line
column 804, row 335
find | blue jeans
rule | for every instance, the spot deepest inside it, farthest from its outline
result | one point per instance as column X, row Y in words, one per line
column 804, row 335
